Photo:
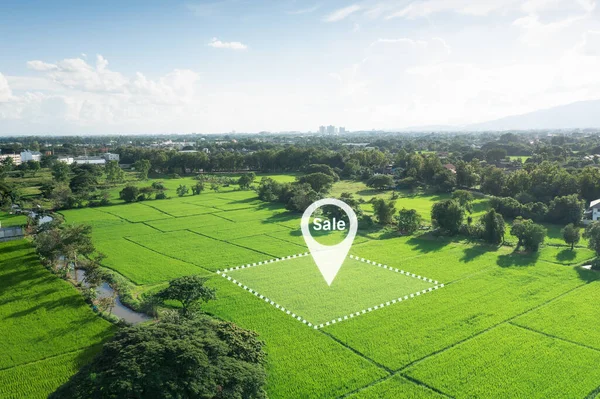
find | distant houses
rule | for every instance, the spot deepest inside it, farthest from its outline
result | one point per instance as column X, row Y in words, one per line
column 592, row 214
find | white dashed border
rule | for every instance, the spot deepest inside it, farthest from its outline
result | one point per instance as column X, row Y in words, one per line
column 338, row 319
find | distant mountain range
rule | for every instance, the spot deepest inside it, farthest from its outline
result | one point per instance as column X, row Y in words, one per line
column 582, row 114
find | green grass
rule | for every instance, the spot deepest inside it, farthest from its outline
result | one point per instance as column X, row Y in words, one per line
column 269, row 245
column 41, row 317
column 302, row 362
column 178, row 208
column 396, row 387
column 458, row 311
column 510, row 362
column 142, row 265
column 357, row 286
column 137, row 212
column 232, row 231
column 200, row 250
column 40, row 378
column 202, row 222
column 8, row 220
column 574, row 317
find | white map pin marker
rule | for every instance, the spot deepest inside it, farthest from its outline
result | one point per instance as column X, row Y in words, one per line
column 329, row 258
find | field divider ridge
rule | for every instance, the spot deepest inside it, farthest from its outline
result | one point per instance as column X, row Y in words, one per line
column 168, row 256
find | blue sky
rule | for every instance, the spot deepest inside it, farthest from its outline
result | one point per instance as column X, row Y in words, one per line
column 216, row 66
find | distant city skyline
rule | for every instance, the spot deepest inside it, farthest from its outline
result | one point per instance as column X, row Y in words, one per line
column 135, row 67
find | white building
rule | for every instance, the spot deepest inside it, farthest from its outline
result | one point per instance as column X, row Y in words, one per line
column 592, row 214
column 331, row 130
column 27, row 156
column 322, row 129
column 90, row 160
column 110, row 157
column 15, row 157
column 342, row 130
column 67, row 160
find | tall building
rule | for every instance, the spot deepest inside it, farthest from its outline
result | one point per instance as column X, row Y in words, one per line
column 322, row 129
column 342, row 130
column 331, row 129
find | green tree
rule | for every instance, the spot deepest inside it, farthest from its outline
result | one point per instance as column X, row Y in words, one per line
column 571, row 235
column 530, row 235
column 409, row 221
column 464, row 198
column 182, row 190
column 301, row 196
column 384, row 211
column 493, row 227
column 567, row 209
column 380, row 182
column 592, row 233
column 129, row 193
column 33, row 166
column 215, row 187
column 114, row 173
column 199, row 358
column 197, row 188
column 61, row 172
column 320, row 182
column 142, row 166
column 246, row 180
column 189, row 291
column 448, row 216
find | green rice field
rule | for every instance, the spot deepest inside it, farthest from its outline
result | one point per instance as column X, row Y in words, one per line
column 504, row 324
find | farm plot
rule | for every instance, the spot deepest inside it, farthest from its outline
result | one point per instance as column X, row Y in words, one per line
column 232, row 231
column 201, row 222
column 198, row 249
column 39, row 312
column 302, row 362
column 142, row 265
column 87, row 216
column 298, row 285
column 115, row 229
column 41, row 317
column 40, row 378
column 397, row 387
column 269, row 245
column 460, row 310
column 135, row 212
column 265, row 213
column 178, row 208
column 573, row 317
column 511, row 362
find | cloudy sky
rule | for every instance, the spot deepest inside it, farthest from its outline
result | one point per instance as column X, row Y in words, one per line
column 250, row 65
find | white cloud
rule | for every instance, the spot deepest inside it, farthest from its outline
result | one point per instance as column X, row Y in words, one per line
column 5, row 91
column 342, row 13
column 307, row 10
column 216, row 43
column 424, row 8
column 590, row 43
column 37, row 65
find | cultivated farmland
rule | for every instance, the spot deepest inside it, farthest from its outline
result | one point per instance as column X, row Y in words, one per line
column 501, row 319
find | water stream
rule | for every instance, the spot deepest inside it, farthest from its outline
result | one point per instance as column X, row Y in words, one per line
column 120, row 310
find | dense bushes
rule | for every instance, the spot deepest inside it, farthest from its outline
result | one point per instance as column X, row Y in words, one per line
column 563, row 210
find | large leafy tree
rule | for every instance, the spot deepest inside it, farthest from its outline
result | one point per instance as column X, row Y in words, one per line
column 409, row 221
column 320, row 182
column 198, row 358
column 142, row 166
column 530, row 235
column 61, row 172
column 380, row 182
column 246, row 180
column 114, row 173
column 571, row 235
column 493, row 227
column 448, row 216
column 189, row 291
column 384, row 210
column 592, row 233
column 567, row 209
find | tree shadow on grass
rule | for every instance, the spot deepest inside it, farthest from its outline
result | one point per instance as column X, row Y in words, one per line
column 473, row 252
column 565, row 255
column 427, row 243
column 518, row 259
column 588, row 275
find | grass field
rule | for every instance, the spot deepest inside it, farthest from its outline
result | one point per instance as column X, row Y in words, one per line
column 47, row 329
column 505, row 325
column 358, row 286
